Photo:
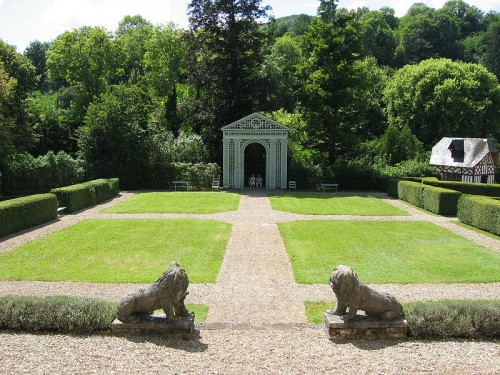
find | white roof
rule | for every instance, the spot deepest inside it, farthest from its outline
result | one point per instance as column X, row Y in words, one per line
column 474, row 150
column 255, row 121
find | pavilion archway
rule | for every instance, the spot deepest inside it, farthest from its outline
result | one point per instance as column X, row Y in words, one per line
column 251, row 132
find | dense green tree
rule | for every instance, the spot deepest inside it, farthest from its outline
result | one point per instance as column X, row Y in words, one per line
column 438, row 98
column 20, row 76
column 425, row 33
column 48, row 121
column 164, row 64
column 85, row 57
column 378, row 37
column 280, row 68
column 36, row 52
column 7, row 85
column 132, row 38
column 297, row 24
column 491, row 48
column 226, row 55
column 470, row 17
column 399, row 144
column 113, row 141
column 328, row 81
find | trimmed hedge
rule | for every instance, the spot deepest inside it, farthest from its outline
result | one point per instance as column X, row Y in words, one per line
column 441, row 201
column 80, row 196
column 21, row 213
column 480, row 212
column 445, row 319
column 392, row 187
column 56, row 314
column 411, row 192
column 490, row 190
column 434, row 199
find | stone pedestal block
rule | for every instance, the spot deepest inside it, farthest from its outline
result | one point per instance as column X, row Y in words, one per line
column 364, row 327
column 179, row 328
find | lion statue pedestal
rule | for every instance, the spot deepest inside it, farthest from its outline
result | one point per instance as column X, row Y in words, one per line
column 383, row 314
column 136, row 311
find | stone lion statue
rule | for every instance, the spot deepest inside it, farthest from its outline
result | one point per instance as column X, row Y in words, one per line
column 167, row 293
column 353, row 294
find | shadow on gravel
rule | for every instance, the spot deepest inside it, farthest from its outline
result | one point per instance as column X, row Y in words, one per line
column 371, row 344
column 191, row 346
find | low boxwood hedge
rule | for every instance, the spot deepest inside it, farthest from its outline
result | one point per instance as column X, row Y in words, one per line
column 446, row 319
column 480, row 212
column 80, row 196
column 21, row 213
column 56, row 314
column 490, row 190
column 411, row 192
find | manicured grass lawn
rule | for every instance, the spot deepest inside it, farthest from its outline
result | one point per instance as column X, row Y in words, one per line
column 200, row 311
column 386, row 252
column 315, row 310
column 333, row 204
column 178, row 202
column 116, row 251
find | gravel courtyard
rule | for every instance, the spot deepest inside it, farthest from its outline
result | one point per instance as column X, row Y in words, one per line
column 256, row 322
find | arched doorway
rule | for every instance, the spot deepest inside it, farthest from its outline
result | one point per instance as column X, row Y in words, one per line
column 255, row 162
column 255, row 144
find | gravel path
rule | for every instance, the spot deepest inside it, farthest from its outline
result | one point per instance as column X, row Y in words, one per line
column 256, row 323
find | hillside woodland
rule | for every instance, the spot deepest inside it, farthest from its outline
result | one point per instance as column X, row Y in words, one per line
column 365, row 93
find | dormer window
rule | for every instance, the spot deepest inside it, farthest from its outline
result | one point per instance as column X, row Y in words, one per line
column 456, row 148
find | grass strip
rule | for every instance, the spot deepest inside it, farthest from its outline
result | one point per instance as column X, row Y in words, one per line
column 386, row 252
column 333, row 204
column 177, row 202
column 121, row 251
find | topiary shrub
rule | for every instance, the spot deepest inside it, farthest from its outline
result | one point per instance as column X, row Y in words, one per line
column 21, row 213
column 392, row 187
column 56, row 314
column 490, row 190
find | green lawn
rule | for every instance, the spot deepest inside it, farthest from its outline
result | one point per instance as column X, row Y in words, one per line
column 333, row 204
column 386, row 252
column 115, row 251
column 178, row 202
column 315, row 310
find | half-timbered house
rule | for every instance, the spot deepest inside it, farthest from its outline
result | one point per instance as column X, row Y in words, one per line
column 465, row 159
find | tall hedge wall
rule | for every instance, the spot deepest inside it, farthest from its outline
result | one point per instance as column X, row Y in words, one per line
column 480, row 212
column 22, row 213
column 80, row 196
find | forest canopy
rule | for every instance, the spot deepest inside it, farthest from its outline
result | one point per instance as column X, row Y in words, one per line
column 359, row 89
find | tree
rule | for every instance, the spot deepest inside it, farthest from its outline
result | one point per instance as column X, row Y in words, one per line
column 469, row 17
column 19, row 81
column 378, row 37
column 424, row 33
column 113, row 141
column 85, row 57
column 280, row 68
column 225, row 59
column 36, row 52
column 164, row 64
column 438, row 98
column 132, row 37
column 328, row 81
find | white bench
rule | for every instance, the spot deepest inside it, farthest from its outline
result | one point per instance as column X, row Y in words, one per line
column 181, row 184
column 216, row 185
column 332, row 187
column 292, row 184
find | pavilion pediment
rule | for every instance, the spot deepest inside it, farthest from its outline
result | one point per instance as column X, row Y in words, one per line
column 255, row 121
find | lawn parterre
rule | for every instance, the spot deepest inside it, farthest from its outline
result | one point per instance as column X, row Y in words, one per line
column 178, row 202
column 333, row 204
column 386, row 252
column 116, row 251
